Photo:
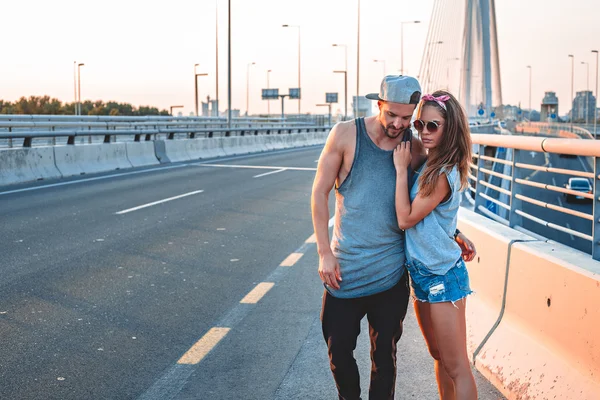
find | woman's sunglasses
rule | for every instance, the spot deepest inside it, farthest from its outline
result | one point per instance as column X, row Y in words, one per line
column 432, row 126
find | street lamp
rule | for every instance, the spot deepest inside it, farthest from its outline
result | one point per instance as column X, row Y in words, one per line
column 529, row 67
column 345, row 71
column 75, row 87
column 402, row 43
column 196, row 75
column 587, row 90
column 381, row 61
column 596, row 105
column 216, row 103
column 79, row 85
column 268, row 87
column 572, row 57
column 172, row 107
column 299, row 85
column 327, row 105
column 248, row 86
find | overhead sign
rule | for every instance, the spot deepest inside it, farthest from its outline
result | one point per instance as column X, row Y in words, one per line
column 295, row 93
column 331, row 97
column 270, row 94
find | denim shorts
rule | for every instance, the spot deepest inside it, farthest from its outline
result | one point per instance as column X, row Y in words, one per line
column 432, row 288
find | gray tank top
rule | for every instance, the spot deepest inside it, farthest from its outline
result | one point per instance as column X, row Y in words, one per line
column 366, row 239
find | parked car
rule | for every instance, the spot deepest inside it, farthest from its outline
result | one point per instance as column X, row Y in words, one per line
column 579, row 184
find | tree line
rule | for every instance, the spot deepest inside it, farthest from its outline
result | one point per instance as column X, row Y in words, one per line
column 45, row 105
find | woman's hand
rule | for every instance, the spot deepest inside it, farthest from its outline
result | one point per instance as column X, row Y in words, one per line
column 467, row 247
column 402, row 156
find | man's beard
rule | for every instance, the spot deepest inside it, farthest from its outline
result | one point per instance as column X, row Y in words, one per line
column 386, row 130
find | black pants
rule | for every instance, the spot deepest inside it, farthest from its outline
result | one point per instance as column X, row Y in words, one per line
column 341, row 326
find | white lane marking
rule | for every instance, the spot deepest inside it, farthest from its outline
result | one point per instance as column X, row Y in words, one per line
column 572, row 237
column 253, row 167
column 331, row 220
column 257, row 293
column 98, row 178
column 269, row 173
column 158, row 202
column 560, row 203
column 553, row 181
column 291, row 260
column 203, row 346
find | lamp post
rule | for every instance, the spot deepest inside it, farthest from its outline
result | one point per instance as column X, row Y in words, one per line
column 572, row 57
column 196, row 75
column 299, row 85
column 79, row 86
column 587, row 90
column 596, row 105
column 75, row 87
column 172, row 107
column 381, row 61
column 345, row 71
column 327, row 105
column 216, row 58
column 229, row 64
column 529, row 67
column 356, row 105
column 268, row 87
column 248, row 86
column 402, row 43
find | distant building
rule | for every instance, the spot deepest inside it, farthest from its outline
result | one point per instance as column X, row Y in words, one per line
column 584, row 105
column 549, row 108
column 511, row 112
column 365, row 106
column 235, row 113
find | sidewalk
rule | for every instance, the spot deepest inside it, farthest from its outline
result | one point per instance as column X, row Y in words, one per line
column 309, row 376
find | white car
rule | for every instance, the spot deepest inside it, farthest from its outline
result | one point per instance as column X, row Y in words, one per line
column 578, row 184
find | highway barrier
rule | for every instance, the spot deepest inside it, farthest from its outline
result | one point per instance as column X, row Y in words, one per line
column 534, row 319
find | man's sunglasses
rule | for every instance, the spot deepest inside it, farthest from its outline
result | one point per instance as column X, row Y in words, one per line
column 432, row 126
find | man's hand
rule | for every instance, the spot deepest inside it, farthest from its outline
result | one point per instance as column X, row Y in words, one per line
column 467, row 247
column 329, row 270
column 402, row 156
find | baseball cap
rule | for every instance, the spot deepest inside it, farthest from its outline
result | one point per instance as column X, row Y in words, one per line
column 398, row 89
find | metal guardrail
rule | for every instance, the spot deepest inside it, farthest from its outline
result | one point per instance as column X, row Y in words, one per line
column 34, row 128
column 109, row 135
column 506, row 190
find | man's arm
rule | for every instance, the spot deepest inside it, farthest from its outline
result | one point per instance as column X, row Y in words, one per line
column 328, row 168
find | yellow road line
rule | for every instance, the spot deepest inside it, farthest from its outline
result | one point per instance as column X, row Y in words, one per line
column 291, row 260
column 257, row 293
column 203, row 346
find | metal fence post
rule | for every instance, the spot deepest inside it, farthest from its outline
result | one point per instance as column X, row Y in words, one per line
column 479, row 201
column 515, row 219
column 596, row 212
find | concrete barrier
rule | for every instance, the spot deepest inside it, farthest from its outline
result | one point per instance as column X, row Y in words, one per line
column 177, row 150
column 141, row 154
column 27, row 164
column 545, row 343
column 91, row 158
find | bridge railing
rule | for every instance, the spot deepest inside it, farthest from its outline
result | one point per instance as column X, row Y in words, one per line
column 555, row 129
column 498, row 179
column 60, row 129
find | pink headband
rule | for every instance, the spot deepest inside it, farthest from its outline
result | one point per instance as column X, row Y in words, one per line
column 440, row 100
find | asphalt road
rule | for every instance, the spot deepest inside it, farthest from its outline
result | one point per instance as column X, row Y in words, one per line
column 146, row 284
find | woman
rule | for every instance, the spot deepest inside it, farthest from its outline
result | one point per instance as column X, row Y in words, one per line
column 428, row 214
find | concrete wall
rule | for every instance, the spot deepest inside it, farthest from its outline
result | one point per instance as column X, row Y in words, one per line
column 534, row 320
column 36, row 163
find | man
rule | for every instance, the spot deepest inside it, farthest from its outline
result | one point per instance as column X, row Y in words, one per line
column 363, row 267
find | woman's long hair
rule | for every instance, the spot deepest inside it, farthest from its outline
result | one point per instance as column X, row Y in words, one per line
column 454, row 148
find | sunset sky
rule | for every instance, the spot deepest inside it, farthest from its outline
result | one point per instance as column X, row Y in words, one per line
column 143, row 52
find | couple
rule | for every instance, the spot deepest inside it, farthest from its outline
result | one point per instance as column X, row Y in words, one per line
column 397, row 199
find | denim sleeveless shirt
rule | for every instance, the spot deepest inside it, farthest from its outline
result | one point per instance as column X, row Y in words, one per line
column 431, row 241
column 367, row 241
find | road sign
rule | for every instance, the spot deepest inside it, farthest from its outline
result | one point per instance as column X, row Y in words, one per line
column 553, row 116
column 520, row 112
column 270, row 94
column 480, row 111
column 295, row 93
column 493, row 114
column 331, row 97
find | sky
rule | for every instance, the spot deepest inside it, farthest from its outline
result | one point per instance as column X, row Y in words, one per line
column 144, row 52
